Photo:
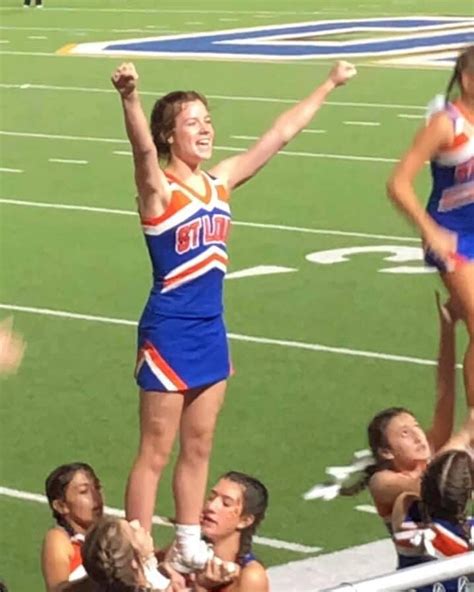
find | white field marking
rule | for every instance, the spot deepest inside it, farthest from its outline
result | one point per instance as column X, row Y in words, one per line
column 245, row 137
column 366, row 508
column 316, row 155
column 36, row 37
column 228, row 20
column 217, row 97
column 235, row 336
column 41, row 54
column 364, row 123
column 68, row 161
column 194, row 23
column 382, row 65
column 342, row 11
column 276, row 543
column 181, row 11
column 5, row 170
column 223, row 148
column 81, row 29
column 262, row 225
column 4, row 41
column 63, row 137
column 258, row 270
column 410, row 116
column 313, row 131
column 123, row 152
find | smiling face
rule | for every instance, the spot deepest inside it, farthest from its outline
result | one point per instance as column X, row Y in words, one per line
column 407, row 442
column 82, row 504
column 223, row 511
column 193, row 134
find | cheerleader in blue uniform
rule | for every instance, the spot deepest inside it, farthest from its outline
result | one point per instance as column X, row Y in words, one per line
column 436, row 523
column 183, row 358
column 447, row 225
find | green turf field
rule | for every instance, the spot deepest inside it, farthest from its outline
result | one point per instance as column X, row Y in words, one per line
column 293, row 407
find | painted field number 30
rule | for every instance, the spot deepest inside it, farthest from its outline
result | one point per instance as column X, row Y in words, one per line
column 393, row 253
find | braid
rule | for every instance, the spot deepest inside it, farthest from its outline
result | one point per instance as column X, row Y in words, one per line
column 446, row 489
column 255, row 503
column 63, row 523
column 108, row 557
column 245, row 546
column 465, row 61
column 363, row 481
column 451, row 83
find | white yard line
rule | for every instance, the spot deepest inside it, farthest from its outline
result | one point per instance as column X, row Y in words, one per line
column 62, row 137
column 188, row 11
column 67, row 161
column 383, row 65
column 366, row 508
column 83, row 29
column 233, row 336
column 410, row 116
column 323, row 231
column 155, row 93
column 5, row 170
column 363, row 123
column 348, row 157
column 269, row 542
column 41, row 54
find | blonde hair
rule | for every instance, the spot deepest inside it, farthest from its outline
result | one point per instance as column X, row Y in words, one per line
column 107, row 556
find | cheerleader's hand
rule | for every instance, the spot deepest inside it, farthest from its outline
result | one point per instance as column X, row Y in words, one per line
column 12, row 348
column 177, row 580
column 442, row 243
column 217, row 572
column 342, row 72
column 125, row 79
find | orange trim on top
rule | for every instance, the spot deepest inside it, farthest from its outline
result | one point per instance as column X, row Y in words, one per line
column 204, row 198
column 222, row 193
column 459, row 140
column 76, row 558
column 464, row 111
column 196, row 267
column 178, row 202
column 449, row 546
column 164, row 367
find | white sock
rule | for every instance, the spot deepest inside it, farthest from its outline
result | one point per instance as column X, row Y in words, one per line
column 188, row 534
column 188, row 537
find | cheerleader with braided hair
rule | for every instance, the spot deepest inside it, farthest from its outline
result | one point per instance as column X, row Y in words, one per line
column 119, row 557
column 436, row 523
column 75, row 497
column 447, row 224
column 400, row 447
column 232, row 513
